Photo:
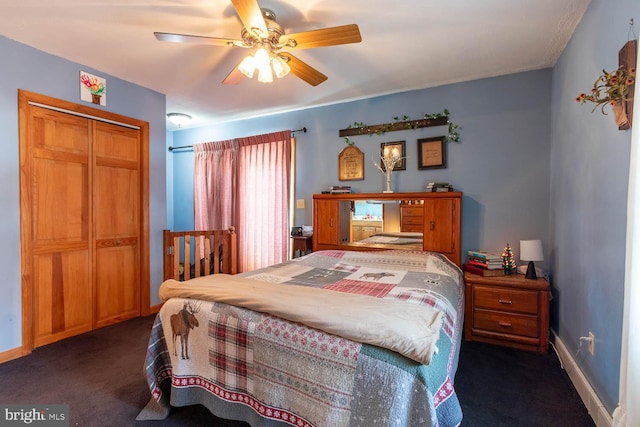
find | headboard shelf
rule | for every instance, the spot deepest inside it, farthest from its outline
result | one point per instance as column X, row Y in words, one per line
column 436, row 214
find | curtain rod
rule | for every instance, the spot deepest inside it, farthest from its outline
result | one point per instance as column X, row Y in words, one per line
column 293, row 132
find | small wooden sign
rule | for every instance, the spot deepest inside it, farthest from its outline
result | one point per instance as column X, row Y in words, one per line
column 351, row 164
column 627, row 58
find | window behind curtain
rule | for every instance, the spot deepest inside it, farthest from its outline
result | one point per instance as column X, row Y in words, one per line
column 259, row 209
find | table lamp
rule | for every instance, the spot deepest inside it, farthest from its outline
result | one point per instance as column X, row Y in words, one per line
column 531, row 250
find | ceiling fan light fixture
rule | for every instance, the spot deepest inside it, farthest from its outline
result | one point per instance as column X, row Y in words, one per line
column 263, row 65
column 265, row 75
column 280, row 66
column 247, row 66
column 179, row 119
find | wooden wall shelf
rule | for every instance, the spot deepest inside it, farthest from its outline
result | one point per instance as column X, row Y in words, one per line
column 406, row 125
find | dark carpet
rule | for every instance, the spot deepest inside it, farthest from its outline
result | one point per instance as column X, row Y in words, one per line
column 99, row 375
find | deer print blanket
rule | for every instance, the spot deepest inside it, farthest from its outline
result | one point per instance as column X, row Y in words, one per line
column 251, row 360
column 409, row 329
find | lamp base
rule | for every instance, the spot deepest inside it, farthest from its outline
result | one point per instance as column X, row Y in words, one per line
column 531, row 271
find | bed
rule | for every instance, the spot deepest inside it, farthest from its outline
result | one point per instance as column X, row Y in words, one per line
column 404, row 240
column 283, row 353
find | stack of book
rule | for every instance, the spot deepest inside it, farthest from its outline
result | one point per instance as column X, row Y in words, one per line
column 439, row 186
column 484, row 263
column 341, row 189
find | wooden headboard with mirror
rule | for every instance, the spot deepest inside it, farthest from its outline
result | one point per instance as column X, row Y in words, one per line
column 378, row 221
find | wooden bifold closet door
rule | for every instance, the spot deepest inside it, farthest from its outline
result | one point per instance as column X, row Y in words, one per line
column 81, row 201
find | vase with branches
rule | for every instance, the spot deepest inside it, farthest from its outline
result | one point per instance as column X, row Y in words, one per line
column 389, row 159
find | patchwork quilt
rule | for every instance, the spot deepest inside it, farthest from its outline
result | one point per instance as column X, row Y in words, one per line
column 268, row 371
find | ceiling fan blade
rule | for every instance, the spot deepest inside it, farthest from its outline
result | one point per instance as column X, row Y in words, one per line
column 184, row 38
column 304, row 71
column 251, row 16
column 234, row 77
column 323, row 37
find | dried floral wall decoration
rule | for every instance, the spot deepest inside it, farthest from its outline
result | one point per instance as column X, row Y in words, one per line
column 609, row 88
column 615, row 88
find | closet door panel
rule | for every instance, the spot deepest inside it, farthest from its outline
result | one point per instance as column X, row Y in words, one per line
column 63, row 307
column 116, row 212
column 117, row 295
column 61, row 214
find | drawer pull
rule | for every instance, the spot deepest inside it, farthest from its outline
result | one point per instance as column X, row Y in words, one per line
column 432, row 225
column 504, row 301
column 505, row 324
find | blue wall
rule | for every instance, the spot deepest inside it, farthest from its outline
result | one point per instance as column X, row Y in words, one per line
column 589, row 177
column 501, row 164
column 26, row 68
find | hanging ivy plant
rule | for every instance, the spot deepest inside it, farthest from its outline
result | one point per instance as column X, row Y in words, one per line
column 452, row 136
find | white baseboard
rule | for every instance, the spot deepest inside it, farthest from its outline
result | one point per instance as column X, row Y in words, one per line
column 596, row 409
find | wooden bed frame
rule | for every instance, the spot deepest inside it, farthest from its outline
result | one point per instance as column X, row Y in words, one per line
column 219, row 247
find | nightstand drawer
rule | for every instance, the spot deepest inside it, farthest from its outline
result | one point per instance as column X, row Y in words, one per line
column 506, row 299
column 504, row 323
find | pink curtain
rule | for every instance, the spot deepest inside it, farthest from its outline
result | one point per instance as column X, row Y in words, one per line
column 245, row 182
column 264, row 164
column 215, row 185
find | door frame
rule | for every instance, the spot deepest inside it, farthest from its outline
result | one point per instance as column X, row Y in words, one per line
column 25, row 98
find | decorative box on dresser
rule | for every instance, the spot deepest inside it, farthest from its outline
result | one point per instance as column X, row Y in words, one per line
column 507, row 310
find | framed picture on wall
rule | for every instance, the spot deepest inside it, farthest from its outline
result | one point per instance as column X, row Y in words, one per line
column 394, row 149
column 432, row 153
column 351, row 164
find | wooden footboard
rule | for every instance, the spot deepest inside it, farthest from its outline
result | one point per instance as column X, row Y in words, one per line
column 189, row 254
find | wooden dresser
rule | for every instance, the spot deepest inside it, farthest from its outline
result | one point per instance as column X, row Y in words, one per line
column 507, row 310
column 411, row 217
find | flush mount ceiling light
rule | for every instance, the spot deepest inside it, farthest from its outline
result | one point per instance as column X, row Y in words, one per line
column 179, row 119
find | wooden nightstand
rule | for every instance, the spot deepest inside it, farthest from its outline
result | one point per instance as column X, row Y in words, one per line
column 507, row 310
column 301, row 244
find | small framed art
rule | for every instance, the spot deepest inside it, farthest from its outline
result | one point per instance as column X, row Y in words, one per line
column 394, row 150
column 432, row 153
column 351, row 164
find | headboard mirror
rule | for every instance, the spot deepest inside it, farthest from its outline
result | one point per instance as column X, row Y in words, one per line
column 378, row 222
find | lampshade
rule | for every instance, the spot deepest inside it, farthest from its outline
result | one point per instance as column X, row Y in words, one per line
column 531, row 250
column 247, row 66
column 179, row 119
column 280, row 66
column 263, row 64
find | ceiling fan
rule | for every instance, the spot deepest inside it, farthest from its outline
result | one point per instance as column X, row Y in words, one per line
column 264, row 36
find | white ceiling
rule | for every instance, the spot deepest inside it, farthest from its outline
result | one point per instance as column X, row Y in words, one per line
column 406, row 45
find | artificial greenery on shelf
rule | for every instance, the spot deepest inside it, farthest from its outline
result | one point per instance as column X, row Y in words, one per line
column 452, row 136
